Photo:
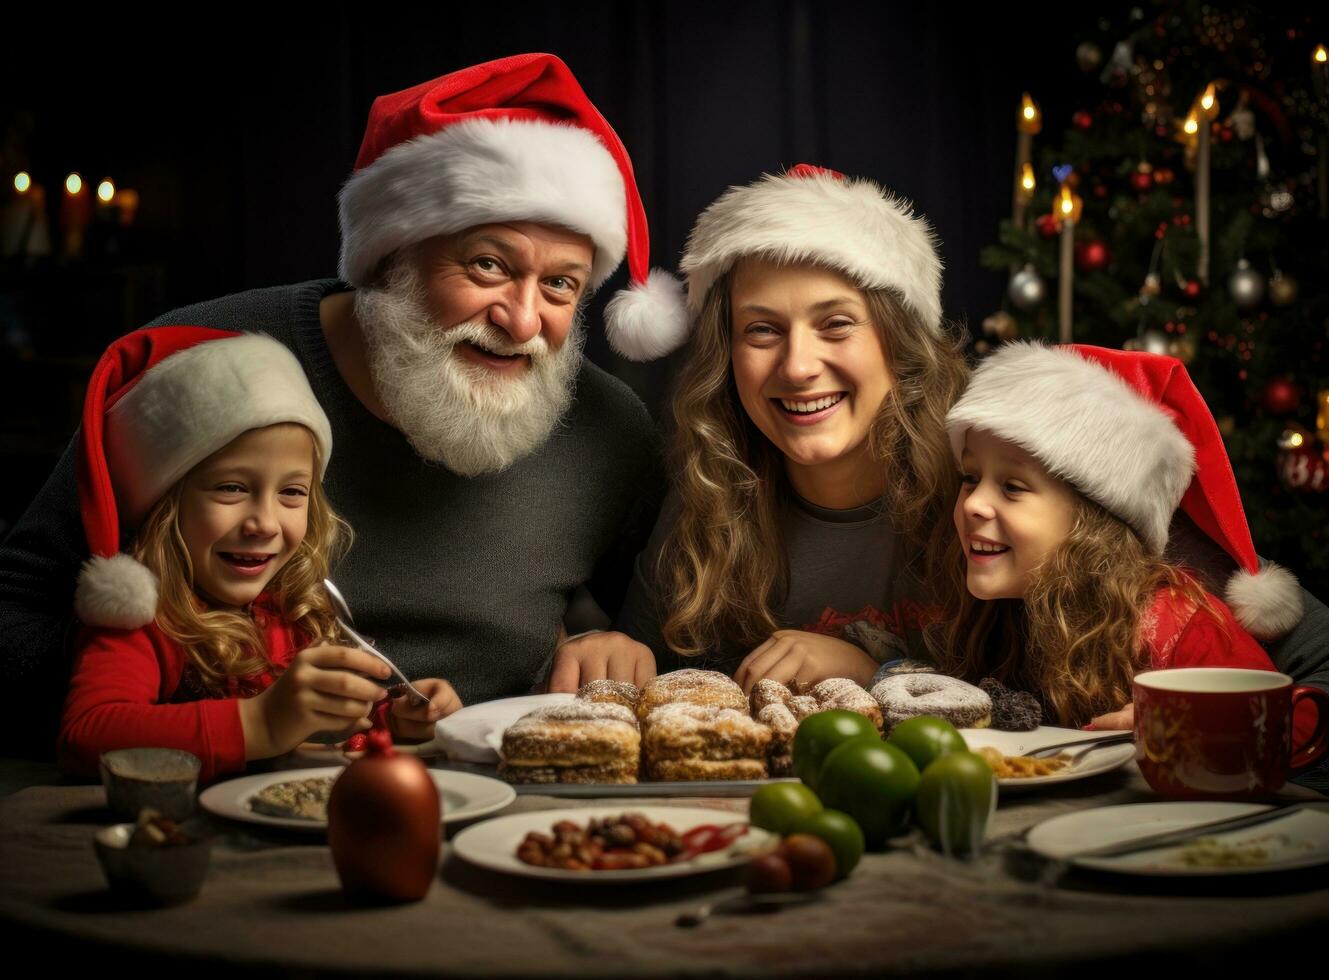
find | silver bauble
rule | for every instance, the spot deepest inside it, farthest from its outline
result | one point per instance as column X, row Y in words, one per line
column 1282, row 289
column 1027, row 289
column 1246, row 286
column 1154, row 342
column 1088, row 56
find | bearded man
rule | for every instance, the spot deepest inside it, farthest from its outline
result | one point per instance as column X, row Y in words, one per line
column 488, row 470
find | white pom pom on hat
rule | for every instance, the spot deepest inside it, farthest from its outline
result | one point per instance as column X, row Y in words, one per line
column 161, row 400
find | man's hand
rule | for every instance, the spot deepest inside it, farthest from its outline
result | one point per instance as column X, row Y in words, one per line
column 321, row 690
column 1113, row 720
column 595, row 656
column 417, row 723
column 805, row 657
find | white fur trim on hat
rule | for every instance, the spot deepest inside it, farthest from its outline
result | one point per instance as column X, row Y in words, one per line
column 116, row 593
column 849, row 224
column 1087, row 426
column 1267, row 602
column 478, row 172
column 196, row 401
column 648, row 320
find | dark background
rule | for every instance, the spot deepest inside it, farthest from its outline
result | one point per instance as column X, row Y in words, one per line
column 237, row 132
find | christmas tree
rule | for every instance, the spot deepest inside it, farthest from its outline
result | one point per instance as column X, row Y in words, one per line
column 1185, row 210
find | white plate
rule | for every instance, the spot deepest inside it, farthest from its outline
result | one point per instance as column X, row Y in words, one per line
column 1083, row 765
column 493, row 844
column 1298, row 840
column 464, row 796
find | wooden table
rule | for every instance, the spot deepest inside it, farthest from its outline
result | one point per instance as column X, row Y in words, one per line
column 272, row 905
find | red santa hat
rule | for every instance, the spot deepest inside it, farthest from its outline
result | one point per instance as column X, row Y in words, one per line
column 811, row 214
column 510, row 140
column 160, row 401
column 1131, row 432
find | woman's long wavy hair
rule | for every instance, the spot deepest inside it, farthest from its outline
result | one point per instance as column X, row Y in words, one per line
column 1075, row 640
column 222, row 643
column 724, row 566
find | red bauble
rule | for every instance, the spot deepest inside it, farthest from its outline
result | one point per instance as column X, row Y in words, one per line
column 1047, row 226
column 1141, row 181
column 1191, row 289
column 1082, row 120
column 1282, row 396
column 1226, row 134
column 1092, row 256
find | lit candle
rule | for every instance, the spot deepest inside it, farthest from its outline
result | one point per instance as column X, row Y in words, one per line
column 1028, row 123
column 1067, row 209
column 1320, row 76
column 1205, row 110
column 75, row 213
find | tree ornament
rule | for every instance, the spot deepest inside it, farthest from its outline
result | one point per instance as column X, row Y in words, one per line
column 1082, row 121
column 1191, row 289
column 1047, row 225
column 1142, row 178
column 1092, row 256
column 1164, row 176
column 1027, row 289
column 1282, row 289
column 1001, row 325
column 1282, row 396
column 1246, row 286
column 1300, row 467
column 1153, row 285
column 1089, row 56
column 1183, row 348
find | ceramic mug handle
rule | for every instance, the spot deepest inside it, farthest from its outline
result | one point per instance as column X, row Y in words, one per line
column 1316, row 746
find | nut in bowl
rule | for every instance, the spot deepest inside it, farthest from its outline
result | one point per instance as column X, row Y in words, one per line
column 164, row 780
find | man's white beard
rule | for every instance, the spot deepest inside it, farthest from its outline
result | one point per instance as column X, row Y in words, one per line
column 454, row 413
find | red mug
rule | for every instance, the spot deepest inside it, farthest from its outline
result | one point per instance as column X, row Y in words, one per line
column 1222, row 733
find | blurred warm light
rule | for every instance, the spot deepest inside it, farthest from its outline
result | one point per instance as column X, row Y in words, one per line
column 1192, row 126
column 1067, row 202
column 1027, row 177
column 1031, row 119
column 1321, row 56
column 74, row 184
column 106, row 191
column 22, row 181
column 1209, row 102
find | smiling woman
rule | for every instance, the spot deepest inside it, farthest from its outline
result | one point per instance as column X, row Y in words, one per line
column 811, row 470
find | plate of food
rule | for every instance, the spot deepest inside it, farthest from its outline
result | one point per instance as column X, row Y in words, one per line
column 297, row 799
column 1295, row 839
column 1008, row 754
column 612, row 845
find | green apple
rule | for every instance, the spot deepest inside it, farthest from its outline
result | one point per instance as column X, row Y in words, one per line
column 821, row 733
column 871, row 781
column 956, row 797
column 926, row 739
column 841, row 832
column 778, row 807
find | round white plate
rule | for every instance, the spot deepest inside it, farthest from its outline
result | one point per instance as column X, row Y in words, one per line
column 493, row 844
column 1083, row 765
column 464, row 796
column 1298, row 840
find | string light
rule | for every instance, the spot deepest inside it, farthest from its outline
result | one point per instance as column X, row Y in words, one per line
column 106, row 191
column 73, row 184
column 22, row 181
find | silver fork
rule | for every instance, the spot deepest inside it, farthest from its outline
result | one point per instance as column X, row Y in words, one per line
column 1114, row 738
column 344, row 620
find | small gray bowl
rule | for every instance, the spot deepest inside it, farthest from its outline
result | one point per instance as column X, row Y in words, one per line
column 163, row 779
column 166, row 874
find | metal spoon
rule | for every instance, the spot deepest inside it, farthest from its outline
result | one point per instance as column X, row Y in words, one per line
column 344, row 620
column 746, row 902
column 1086, row 743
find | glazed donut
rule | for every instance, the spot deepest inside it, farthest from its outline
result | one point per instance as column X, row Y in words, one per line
column 905, row 696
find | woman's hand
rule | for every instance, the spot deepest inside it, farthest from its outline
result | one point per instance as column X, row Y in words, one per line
column 321, row 690
column 1113, row 720
column 417, row 723
column 597, row 656
column 791, row 655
